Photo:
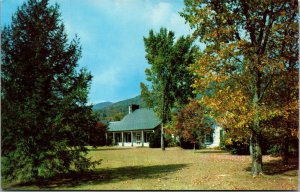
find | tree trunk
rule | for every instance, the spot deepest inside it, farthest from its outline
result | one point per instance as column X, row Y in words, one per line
column 194, row 147
column 256, row 154
column 251, row 147
column 255, row 142
column 162, row 143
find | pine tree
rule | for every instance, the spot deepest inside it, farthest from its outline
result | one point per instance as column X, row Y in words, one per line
column 44, row 96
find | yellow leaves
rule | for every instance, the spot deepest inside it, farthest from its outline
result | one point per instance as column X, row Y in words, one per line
column 278, row 26
column 242, row 43
column 294, row 26
column 228, row 141
column 282, row 13
column 295, row 132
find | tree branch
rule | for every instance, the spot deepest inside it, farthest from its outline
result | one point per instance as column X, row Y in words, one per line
column 265, row 88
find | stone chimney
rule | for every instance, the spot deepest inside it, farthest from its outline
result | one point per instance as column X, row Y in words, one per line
column 132, row 108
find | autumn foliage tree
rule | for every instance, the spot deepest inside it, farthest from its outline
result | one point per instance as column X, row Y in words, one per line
column 192, row 123
column 251, row 46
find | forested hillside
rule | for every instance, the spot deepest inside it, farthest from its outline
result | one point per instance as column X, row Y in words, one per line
column 116, row 111
column 102, row 105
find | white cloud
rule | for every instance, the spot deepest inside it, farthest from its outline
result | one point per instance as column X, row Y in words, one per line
column 177, row 23
column 108, row 76
column 159, row 13
column 154, row 14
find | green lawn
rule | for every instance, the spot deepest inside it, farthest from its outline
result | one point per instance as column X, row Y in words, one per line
column 174, row 169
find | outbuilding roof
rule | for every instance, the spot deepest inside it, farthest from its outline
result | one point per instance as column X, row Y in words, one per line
column 140, row 119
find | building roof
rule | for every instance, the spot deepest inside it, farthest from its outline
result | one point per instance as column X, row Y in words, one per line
column 140, row 119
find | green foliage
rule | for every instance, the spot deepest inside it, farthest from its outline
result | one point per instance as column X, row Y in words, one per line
column 45, row 118
column 278, row 148
column 170, row 141
column 101, row 105
column 169, row 75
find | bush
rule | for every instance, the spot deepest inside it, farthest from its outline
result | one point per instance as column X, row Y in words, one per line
column 275, row 150
column 237, row 147
column 188, row 145
column 172, row 142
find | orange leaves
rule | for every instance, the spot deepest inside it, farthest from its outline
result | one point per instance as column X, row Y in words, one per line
column 191, row 121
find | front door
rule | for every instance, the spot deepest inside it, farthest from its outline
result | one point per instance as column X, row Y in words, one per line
column 138, row 138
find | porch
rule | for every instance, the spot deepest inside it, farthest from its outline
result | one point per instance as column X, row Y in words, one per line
column 132, row 138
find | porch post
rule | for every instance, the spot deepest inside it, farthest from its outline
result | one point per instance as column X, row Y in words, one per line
column 131, row 139
column 142, row 138
column 114, row 141
column 122, row 138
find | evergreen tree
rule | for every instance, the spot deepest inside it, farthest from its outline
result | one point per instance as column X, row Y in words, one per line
column 44, row 113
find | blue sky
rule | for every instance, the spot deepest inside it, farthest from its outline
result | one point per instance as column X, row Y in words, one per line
column 111, row 34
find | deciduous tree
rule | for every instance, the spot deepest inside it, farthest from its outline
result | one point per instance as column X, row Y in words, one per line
column 245, row 56
column 169, row 76
column 193, row 123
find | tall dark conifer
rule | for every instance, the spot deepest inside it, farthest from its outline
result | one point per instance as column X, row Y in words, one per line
column 44, row 96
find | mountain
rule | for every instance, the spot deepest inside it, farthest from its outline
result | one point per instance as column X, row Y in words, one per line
column 116, row 111
column 102, row 105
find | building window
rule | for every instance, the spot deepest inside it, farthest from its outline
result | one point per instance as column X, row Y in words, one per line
column 209, row 138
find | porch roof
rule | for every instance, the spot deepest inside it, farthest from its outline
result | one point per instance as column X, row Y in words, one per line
column 140, row 119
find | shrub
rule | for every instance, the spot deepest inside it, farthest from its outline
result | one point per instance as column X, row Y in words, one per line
column 237, row 147
column 188, row 145
column 171, row 141
column 275, row 150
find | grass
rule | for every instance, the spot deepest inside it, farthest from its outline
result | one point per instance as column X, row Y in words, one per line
column 173, row 169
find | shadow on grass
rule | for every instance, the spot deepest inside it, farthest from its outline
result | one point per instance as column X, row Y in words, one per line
column 210, row 151
column 276, row 167
column 109, row 149
column 105, row 176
